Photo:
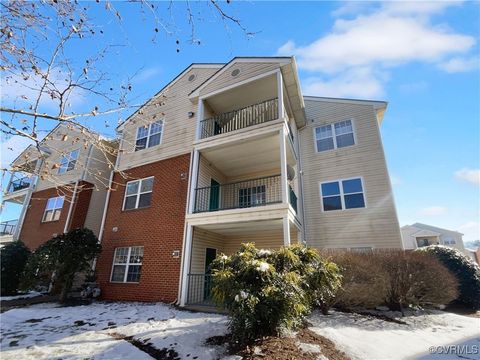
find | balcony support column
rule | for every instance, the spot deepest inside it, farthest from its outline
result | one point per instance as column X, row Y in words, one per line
column 193, row 181
column 283, row 166
column 286, row 231
column 186, row 259
column 280, row 94
column 200, row 115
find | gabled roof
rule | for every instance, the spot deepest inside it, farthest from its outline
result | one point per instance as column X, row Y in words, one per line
column 434, row 228
column 170, row 83
column 425, row 233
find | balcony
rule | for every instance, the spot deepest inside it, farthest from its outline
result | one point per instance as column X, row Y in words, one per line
column 8, row 227
column 19, row 184
column 239, row 119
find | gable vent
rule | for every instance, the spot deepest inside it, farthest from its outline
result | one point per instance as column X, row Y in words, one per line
column 235, row 72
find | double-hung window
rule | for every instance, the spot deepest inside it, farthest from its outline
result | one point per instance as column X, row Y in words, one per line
column 127, row 264
column 149, row 135
column 53, row 209
column 333, row 136
column 138, row 194
column 252, row 196
column 68, row 161
column 342, row 194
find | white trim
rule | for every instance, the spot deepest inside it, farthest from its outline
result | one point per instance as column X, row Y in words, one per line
column 87, row 162
column 334, row 135
column 237, row 84
column 194, row 180
column 149, row 134
column 200, row 115
column 280, row 61
column 283, row 166
column 342, row 195
column 139, row 192
column 53, row 209
column 377, row 104
column 286, row 231
column 127, row 264
column 280, row 95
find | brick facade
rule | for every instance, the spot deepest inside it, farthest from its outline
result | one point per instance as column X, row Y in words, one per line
column 159, row 228
column 35, row 232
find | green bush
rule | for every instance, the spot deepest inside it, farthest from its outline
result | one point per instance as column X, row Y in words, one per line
column 64, row 256
column 465, row 270
column 13, row 256
column 267, row 291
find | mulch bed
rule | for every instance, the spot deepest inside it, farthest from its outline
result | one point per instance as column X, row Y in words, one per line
column 283, row 348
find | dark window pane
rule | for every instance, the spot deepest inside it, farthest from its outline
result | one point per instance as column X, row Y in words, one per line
column 130, row 202
column 345, row 140
column 147, row 185
column 330, row 189
column 118, row 273
column 332, row 203
column 71, row 165
column 56, row 214
column 145, row 200
column 134, row 273
column 48, row 215
column 354, row 201
column 140, row 144
column 325, row 144
column 154, row 140
column 352, row 186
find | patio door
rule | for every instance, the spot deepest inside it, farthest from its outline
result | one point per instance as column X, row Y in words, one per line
column 210, row 255
column 214, row 202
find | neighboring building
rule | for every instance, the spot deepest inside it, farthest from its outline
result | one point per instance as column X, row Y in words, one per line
column 420, row 235
column 232, row 153
column 474, row 254
column 61, row 185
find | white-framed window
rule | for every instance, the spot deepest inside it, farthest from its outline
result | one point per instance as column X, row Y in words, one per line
column 138, row 193
column 149, row 135
column 342, row 194
column 252, row 196
column 127, row 264
column 53, row 209
column 333, row 136
column 68, row 161
column 449, row 241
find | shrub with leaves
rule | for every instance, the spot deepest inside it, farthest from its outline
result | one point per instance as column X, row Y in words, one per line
column 64, row 255
column 14, row 256
column 465, row 270
column 267, row 291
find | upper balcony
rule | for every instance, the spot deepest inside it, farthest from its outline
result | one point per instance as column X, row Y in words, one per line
column 19, row 184
column 18, row 187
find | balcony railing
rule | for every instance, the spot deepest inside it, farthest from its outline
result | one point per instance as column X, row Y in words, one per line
column 19, row 184
column 239, row 119
column 200, row 289
column 8, row 227
column 242, row 194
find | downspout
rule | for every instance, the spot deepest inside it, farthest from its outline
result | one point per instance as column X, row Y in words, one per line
column 70, row 209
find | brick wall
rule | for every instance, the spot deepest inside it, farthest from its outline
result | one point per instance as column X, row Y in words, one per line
column 35, row 232
column 158, row 228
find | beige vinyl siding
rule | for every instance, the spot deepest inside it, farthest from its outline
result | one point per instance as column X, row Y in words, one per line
column 178, row 129
column 203, row 239
column 207, row 172
column 377, row 224
column 263, row 240
column 247, row 70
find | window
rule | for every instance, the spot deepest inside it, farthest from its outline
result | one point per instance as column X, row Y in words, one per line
column 252, row 196
column 53, row 209
column 342, row 194
column 127, row 264
column 138, row 194
column 68, row 162
column 149, row 135
column 333, row 136
column 450, row 241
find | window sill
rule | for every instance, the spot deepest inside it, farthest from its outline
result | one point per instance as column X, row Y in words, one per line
column 335, row 149
column 136, row 209
column 48, row 222
column 125, row 282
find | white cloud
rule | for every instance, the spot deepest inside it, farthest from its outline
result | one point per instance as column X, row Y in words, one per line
column 146, row 74
column 469, row 175
column 12, row 146
column 433, row 211
column 470, row 230
column 394, row 34
column 460, row 64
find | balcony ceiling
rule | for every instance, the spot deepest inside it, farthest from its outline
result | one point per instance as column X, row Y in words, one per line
column 250, row 228
column 243, row 96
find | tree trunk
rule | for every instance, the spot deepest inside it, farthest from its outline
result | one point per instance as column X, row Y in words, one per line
column 67, row 286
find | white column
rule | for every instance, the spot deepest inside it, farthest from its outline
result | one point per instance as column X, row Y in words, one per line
column 280, row 94
column 193, row 181
column 187, row 255
column 286, row 231
column 200, row 112
column 283, row 166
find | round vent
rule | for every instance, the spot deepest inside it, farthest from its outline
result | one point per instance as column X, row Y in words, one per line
column 235, row 72
column 191, row 77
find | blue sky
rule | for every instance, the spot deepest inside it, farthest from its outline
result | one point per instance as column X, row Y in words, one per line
column 422, row 57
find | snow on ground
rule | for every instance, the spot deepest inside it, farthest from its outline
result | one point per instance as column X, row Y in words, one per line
column 362, row 337
column 48, row 331
column 30, row 294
